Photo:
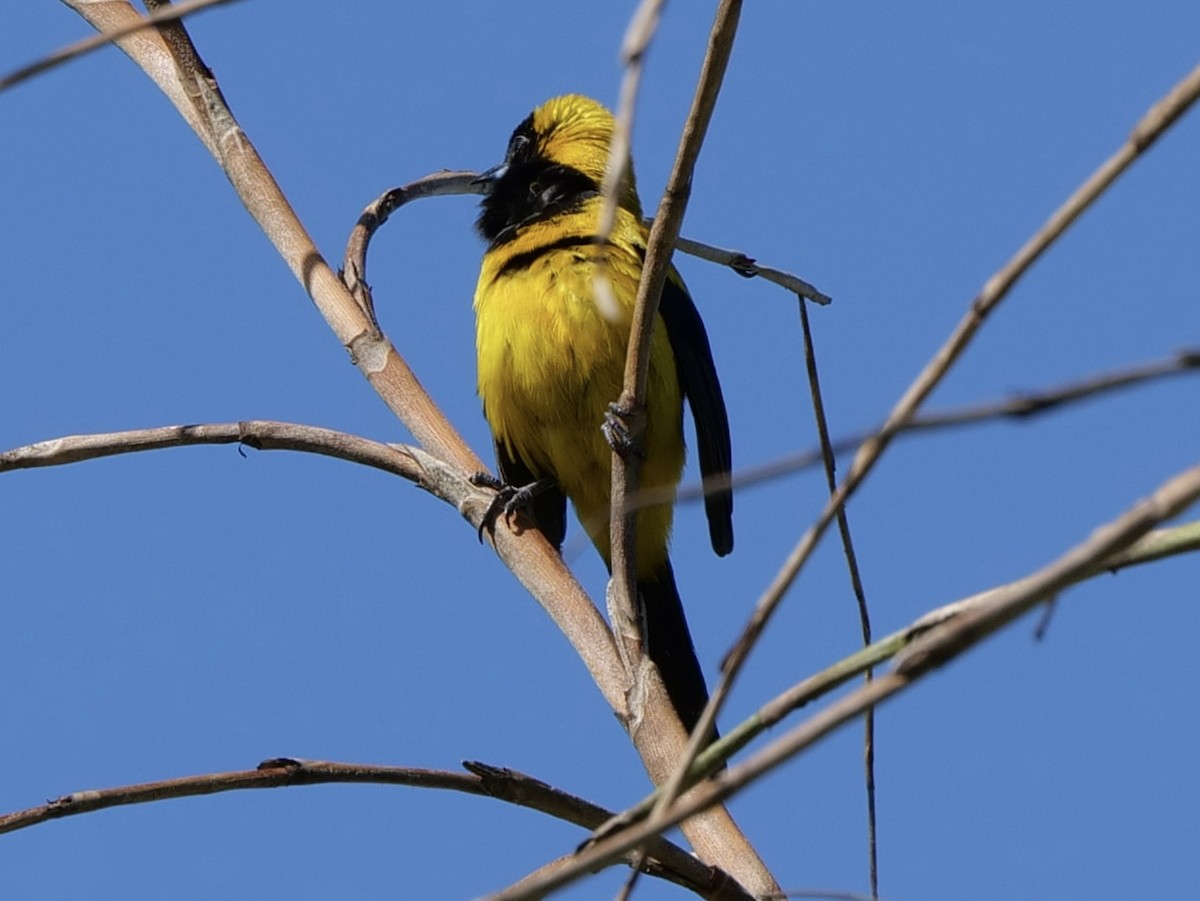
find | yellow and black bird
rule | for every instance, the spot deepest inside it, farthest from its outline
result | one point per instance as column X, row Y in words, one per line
column 550, row 363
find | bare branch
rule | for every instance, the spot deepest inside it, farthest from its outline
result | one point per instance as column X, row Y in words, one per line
column 747, row 267
column 354, row 262
column 625, row 472
column 621, row 595
column 668, row 861
column 259, row 434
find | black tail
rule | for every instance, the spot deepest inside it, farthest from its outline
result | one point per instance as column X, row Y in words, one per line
column 669, row 644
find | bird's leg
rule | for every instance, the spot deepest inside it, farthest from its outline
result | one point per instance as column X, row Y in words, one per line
column 508, row 500
column 623, row 428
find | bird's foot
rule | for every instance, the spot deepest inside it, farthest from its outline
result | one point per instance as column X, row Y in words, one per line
column 508, row 500
column 623, row 428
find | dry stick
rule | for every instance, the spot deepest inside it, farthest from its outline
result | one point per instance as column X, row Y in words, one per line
column 712, row 839
column 354, row 261
column 1151, row 126
column 621, row 594
column 668, row 861
column 538, row 567
column 939, row 645
column 423, row 469
column 440, row 184
column 749, row 268
column 260, row 434
column 860, row 595
column 620, row 597
column 662, row 238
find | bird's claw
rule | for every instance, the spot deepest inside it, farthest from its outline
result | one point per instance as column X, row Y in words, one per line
column 618, row 428
column 509, row 500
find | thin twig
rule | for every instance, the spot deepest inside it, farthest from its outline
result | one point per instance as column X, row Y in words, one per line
column 96, row 41
column 638, row 35
column 856, row 585
column 747, row 267
column 354, row 262
column 625, row 468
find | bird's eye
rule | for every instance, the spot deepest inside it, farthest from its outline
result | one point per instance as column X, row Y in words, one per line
column 517, row 144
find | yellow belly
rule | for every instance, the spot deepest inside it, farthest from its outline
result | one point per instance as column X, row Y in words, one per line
column 550, row 363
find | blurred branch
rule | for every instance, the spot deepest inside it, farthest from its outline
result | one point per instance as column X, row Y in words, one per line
column 938, row 643
column 1156, row 121
column 95, row 42
column 668, row 861
column 638, row 35
column 1020, row 406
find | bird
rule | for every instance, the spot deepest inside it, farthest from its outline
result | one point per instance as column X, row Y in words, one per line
column 551, row 364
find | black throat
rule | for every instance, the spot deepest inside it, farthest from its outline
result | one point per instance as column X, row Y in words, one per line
column 532, row 188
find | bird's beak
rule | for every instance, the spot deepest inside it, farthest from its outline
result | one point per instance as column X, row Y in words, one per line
column 491, row 176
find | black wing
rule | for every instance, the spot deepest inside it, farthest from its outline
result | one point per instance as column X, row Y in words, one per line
column 549, row 506
column 698, row 379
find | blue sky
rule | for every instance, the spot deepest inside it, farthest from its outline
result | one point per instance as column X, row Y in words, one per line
column 198, row 610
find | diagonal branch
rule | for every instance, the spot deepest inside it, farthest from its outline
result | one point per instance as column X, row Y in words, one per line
column 190, row 87
column 1156, row 121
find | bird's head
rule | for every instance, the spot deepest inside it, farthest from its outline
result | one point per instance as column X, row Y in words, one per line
column 556, row 159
